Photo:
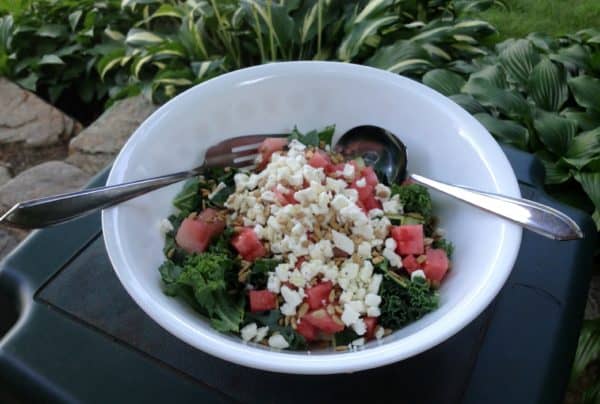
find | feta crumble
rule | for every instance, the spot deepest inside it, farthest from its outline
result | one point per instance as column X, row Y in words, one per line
column 277, row 341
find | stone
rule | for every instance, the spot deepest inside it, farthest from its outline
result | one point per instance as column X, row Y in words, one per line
column 50, row 178
column 592, row 309
column 4, row 175
column 96, row 146
column 28, row 120
column 8, row 241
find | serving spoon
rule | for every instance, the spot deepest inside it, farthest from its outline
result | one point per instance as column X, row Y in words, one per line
column 377, row 147
column 387, row 154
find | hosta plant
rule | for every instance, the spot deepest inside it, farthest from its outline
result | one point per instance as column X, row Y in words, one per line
column 541, row 95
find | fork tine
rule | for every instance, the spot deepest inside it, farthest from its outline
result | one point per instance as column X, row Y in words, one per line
column 240, row 143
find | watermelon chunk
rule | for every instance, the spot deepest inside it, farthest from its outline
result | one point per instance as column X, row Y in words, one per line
column 371, row 323
column 261, row 300
column 410, row 263
column 307, row 330
column 323, row 321
column 409, row 239
column 436, row 265
column 194, row 235
column 318, row 295
column 248, row 245
column 320, row 159
column 269, row 146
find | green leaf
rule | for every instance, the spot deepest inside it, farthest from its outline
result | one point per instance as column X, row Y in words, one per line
column 586, row 91
column 167, row 10
column 542, row 41
column 74, row 18
column 556, row 172
column 29, row 82
column 140, row 37
column 573, row 57
column 373, row 9
column 357, row 37
column 588, row 348
column 507, row 131
column 468, row 102
column 494, row 75
column 590, row 182
column 586, row 120
column 444, row 81
column 548, row 86
column 138, row 63
column 51, row 30
column 109, row 61
column 583, row 149
column 208, row 69
column 555, row 131
column 474, row 27
column 509, row 102
column 113, row 34
column 51, row 59
column 518, row 59
column 436, row 51
column 433, row 35
column 402, row 56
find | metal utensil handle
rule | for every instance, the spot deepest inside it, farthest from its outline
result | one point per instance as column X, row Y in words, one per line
column 533, row 216
column 56, row 209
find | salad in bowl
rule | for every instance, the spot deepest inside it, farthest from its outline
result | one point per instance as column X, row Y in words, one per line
column 306, row 251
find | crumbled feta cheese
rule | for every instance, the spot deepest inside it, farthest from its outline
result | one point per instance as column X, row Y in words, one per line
column 394, row 259
column 357, row 305
column 298, row 229
column 297, row 279
column 418, row 274
column 292, row 299
column 353, row 213
column 361, row 183
column 306, row 195
column 261, row 333
column 165, row 226
column 277, row 341
column 379, row 332
column 390, row 243
column 312, row 174
column 296, row 179
column 392, row 206
column 269, row 196
column 273, row 283
column 382, row 191
column 343, row 242
column 282, row 271
column 373, row 213
column 373, row 311
column 349, row 315
column 381, row 227
column 364, row 230
column 349, row 270
column 348, row 172
column 372, row 300
column 334, row 185
column 351, row 194
column 241, row 181
column 359, row 327
column 339, row 202
column 360, row 293
column 375, row 283
column 364, row 249
column 366, row 271
column 358, row 342
column 346, row 296
column 330, row 273
column 249, row 332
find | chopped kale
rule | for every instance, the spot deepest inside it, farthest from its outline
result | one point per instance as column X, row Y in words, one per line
column 313, row 138
column 344, row 337
column 403, row 300
column 444, row 245
column 271, row 319
column 188, row 199
column 260, row 272
column 415, row 199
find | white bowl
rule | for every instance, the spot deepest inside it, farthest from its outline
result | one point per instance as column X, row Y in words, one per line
column 443, row 141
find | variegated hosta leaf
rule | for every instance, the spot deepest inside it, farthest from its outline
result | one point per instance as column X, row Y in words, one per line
column 507, row 131
column 554, row 131
column 583, row 149
column 444, row 81
column 586, row 91
column 372, row 9
column 74, row 18
column 109, row 61
column 208, row 69
column 401, row 57
column 518, row 60
column 473, row 27
column 51, row 59
column 352, row 42
column 140, row 37
column 6, row 26
column 548, row 85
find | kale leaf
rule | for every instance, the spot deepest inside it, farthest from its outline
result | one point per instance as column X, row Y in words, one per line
column 415, row 198
column 344, row 337
column 271, row 320
column 313, row 138
column 188, row 199
column 403, row 300
column 444, row 245
column 206, row 278
column 259, row 272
